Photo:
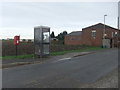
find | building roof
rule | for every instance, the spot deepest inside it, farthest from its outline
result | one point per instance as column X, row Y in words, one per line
column 100, row 25
column 42, row 27
column 75, row 33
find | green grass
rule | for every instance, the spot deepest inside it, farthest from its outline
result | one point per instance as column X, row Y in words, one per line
column 80, row 50
column 17, row 57
column 85, row 49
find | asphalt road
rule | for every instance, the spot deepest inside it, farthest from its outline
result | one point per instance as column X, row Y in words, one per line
column 62, row 73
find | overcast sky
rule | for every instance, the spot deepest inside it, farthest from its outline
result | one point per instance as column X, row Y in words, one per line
column 21, row 17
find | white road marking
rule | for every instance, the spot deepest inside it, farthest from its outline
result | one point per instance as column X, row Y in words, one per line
column 63, row 59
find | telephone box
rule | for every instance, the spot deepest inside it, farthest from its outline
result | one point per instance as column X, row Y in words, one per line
column 41, row 41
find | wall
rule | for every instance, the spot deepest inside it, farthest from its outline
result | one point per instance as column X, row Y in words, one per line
column 87, row 38
column 73, row 40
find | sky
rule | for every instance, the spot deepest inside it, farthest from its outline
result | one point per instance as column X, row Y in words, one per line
column 20, row 18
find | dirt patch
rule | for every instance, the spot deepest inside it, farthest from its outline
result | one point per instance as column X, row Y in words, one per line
column 9, row 49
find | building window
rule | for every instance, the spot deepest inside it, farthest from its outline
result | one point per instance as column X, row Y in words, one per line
column 93, row 33
column 114, row 34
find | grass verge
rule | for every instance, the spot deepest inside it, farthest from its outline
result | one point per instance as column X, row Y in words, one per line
column 17, row 57
column 86, row 49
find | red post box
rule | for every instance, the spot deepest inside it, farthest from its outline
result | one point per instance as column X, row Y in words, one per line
column 16, row 40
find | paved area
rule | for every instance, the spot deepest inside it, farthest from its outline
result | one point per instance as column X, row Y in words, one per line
column 65, row 72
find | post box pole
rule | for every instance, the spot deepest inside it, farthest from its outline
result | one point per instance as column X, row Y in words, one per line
column 16, row 50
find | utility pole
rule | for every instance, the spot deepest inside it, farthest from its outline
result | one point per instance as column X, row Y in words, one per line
column 104, row 32
column 118, row 35
column 118, row 24
column 118, row 15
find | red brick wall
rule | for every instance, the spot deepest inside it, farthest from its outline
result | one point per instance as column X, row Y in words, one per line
column 87, row 38
column 73, row 40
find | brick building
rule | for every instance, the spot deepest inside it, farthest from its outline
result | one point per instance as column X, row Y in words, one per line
column 74, row 38
column 93, row 36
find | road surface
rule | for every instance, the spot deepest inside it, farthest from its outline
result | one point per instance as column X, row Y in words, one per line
column 62, row 73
